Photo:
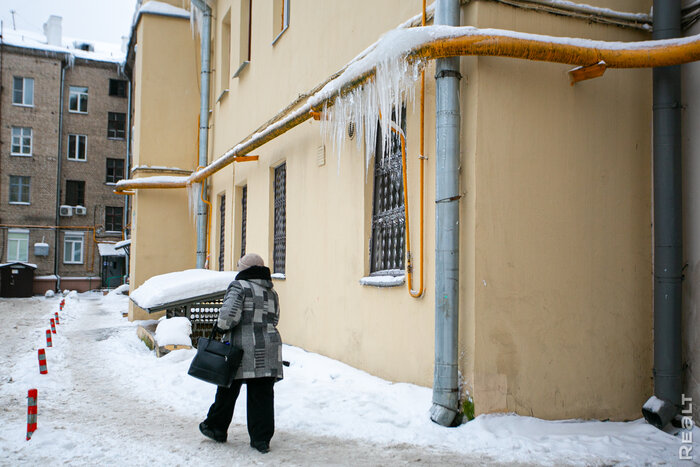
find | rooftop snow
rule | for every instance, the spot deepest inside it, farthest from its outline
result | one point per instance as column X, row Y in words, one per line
column 104, row 52
column 109, row 249
column 181, row 285
column 159, row 8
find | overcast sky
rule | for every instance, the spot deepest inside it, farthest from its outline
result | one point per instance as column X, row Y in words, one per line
column 97, row 20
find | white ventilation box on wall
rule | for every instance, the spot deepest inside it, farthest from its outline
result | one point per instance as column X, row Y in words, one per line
column 80, row 210
column 65, row 211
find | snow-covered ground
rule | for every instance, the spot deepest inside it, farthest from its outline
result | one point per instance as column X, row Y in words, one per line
column 108, row 400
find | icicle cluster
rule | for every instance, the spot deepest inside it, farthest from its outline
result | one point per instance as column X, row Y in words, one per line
column 391, row 87
column 193, row 194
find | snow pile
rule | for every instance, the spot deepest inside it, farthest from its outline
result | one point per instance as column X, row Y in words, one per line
column 49, row 293
column 180, row 285
column 174, row 331
column 101, row 372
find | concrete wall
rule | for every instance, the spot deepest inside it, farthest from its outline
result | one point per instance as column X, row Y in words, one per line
column 691, row 235
column 166, row 103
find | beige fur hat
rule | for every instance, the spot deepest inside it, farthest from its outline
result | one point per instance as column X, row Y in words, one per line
column 251, row 259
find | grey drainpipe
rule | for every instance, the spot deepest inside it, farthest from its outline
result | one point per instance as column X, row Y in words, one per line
column 203, row 127
column 127, row 166
column 668, row 223
column 64, row 64
column 445, row 385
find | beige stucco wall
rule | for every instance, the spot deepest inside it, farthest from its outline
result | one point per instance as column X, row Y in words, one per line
column 563, row 241
column 166, row 109
column 555, row 298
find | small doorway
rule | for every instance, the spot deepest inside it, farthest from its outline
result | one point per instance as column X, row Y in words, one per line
column 113, row 270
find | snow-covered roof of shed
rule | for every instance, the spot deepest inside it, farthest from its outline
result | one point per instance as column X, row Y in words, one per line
column 29, row 265
column 181, row 285
column 122, row 244
column 103, row 51
column 109, row 249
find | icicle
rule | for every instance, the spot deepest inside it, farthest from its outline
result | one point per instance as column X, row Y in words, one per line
column 391, row 87
column 193, row 194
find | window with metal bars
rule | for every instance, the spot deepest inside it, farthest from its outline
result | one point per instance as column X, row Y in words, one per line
column 244, row 217
column 222, row 230
column 388, row 217
column 280, row 236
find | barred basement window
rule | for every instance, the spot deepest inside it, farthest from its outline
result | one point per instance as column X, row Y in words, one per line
column 388, row 217
column 280, row 239
column 244, row 217
column 222, row 230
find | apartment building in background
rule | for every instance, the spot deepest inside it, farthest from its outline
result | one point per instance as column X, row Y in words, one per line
column 63, row 146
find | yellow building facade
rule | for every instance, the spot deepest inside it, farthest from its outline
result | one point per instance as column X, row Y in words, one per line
column 555, row 297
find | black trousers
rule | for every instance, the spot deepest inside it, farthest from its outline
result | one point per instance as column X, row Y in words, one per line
column 260, row 408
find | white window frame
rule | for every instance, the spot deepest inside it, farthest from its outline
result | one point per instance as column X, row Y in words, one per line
column 21, row 191
column 20, row 133
column 76, row 156
column 25, row 102
column 70, row 240
column 78, row 91
column 17, row 245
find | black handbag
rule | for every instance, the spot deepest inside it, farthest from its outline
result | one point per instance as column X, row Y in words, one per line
column 215, row 362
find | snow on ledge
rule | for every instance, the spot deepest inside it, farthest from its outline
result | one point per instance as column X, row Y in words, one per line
column 383, row 281
column 181, row 285
column 163, row 9
column 279, row 275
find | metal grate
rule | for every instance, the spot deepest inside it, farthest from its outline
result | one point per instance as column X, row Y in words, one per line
column 202, row 315
column 222, row 230
column 280, row 239
column 388, row 218
column 244, row 216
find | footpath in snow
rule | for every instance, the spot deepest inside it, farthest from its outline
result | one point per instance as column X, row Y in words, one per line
column 108, row 400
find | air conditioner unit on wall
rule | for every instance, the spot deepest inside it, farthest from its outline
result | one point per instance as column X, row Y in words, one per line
column 80, row 210
column 65, row 211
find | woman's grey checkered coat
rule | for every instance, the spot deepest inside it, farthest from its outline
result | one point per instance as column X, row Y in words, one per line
column 249, row 314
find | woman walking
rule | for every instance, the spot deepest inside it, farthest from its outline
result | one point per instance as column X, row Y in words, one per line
column 248, row 318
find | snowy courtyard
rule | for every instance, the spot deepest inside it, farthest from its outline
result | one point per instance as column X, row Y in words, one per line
column 107, row 400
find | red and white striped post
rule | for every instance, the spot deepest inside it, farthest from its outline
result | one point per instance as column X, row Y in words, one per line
column 49, row 342
column 56, row 315
column 63, row 302
column 42, row 362
column 53, row 326
column 31, row 413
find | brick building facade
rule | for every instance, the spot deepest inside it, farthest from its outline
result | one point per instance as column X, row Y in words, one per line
column 63, row 145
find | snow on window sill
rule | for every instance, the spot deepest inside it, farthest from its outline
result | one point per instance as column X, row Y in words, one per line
column 279, row 276
column 20, row 203
column 77, row 112
column 23, row 105
column 383, row 281
column 116, row 138
column 241, row 68
column 19, row 154
column 72, row 262
column 77, row 160
column 286, row 26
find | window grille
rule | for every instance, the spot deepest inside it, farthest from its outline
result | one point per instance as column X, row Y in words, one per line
column 388, row 218
column 280, row 238
column 222, row 230
column 244, row 217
